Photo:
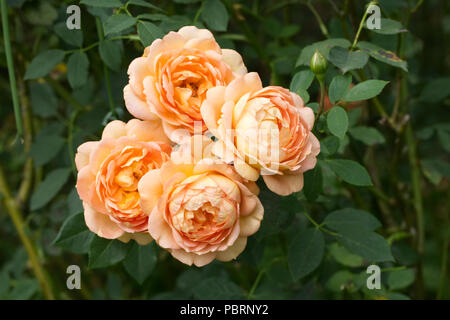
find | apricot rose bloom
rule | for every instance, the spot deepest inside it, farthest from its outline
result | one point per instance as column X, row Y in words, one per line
column 262, row 131
column 200, row 211
column 108, row 174
column 170, row 80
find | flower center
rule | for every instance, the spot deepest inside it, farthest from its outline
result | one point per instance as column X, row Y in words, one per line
column 204, row 210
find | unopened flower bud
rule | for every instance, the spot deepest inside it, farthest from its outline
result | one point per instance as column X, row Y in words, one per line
column 318, row 64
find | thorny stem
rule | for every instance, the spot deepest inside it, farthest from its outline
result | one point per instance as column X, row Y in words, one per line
column 16, row 217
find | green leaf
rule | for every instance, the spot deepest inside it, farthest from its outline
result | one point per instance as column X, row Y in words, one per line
column 353, row 116
column 397, row 296
column 400, row 279
column 324, row 48
column 186, row 1
column 305, row 252
column 367, row 244
column 74, row 202
column 73, row 37
column 74, row 236
column 367, row 135
column 48, row 188
column 289, row 31
column 24, row 289
column 303, row 94
column 217, row 288
column 153, row 16
column 301, row 80
column 443, row 133
column 215, row 15
column 45, row 147
column 78, row 69
column 389, row 27
column 43, row 63
column 339, row 87
column 105, row 252
column 143, row 3
column 43, row 13
column 365, row 90
column 340, row 280
column 337, row 121
column 350, row 219
column 118, row 23
column 313, row 183
column 330, row 145
column 140, row 261
column 435, row 169
column 347, row 60
column 436, row 90
column 382, row 55
column 148, row 32
column 111, row 54
column 4, row 284
column 350, row 171
column 345, row 257
column 43, row 100
column 102, row 3
column 313, row 105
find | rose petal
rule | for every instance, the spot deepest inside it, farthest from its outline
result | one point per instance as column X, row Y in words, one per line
column 233, row 251
column 101, row 224
column 285, row 184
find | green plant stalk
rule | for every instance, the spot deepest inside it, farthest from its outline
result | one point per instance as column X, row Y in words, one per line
column 259, row 277
column 319, row 226
column 16, row 217
column 10, row 64
column 27, row 178
column 322, row 26
column 361, row 25
column 106, row 71
column 255, row 284
column 133, row 37
column 73, row 117
column 322, row 97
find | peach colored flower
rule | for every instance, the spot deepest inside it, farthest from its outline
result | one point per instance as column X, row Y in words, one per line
column 108, row 174
column 262, row 131
column 171, row 79
column 200, row 211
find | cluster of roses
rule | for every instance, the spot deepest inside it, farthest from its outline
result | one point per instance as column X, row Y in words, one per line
column 184, row 174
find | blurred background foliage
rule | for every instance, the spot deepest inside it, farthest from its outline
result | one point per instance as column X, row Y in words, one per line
column 310, row 245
